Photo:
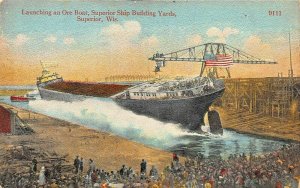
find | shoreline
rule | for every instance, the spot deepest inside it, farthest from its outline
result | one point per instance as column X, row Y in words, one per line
column 260, row 126
column 269, row 137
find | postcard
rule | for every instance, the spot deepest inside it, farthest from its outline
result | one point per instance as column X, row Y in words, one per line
column 195, row 94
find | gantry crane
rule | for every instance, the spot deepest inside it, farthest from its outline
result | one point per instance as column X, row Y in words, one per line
column 201, row 53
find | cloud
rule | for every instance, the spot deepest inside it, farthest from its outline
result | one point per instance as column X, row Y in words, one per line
column 4, row 51
column 50, row 38
column 69, row 40
column 3, row 44
column 221, row 35
column 257, row 47
column 194, row 40
column 151, row 42
column 132, row 28
column 281, row 39
column 121, row 34
column 21, row 39
column 128, row 30
column 275, row 49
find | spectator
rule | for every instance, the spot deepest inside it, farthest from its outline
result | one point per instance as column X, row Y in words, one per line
column 153, row 173
column 143, row 166
column 42, row 178
column 76, row 164
column 175, row 157
column 92, row 166
column 34, row 165
column 81, row 165
column 47, row 174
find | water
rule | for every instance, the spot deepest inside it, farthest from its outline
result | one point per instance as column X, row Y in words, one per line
column 105, row 115
column 27, row 87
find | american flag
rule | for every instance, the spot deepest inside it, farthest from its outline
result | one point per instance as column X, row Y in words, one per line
column 220, row 60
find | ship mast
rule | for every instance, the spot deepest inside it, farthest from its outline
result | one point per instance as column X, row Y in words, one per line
column 291, row 64
column 46, row 65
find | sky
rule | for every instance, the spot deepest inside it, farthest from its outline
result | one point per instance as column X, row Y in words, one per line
column 95, row 50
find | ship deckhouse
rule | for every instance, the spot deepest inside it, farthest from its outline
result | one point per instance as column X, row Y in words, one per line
column 169, row 90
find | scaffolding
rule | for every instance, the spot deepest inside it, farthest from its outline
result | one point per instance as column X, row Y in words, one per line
column 273, row 96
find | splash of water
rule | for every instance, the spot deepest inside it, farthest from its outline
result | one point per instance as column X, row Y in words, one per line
column 105, row 115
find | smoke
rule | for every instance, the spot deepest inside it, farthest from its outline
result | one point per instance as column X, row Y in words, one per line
column 105, row 115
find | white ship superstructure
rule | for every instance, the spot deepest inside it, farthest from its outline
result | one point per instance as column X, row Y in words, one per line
column 177, row 89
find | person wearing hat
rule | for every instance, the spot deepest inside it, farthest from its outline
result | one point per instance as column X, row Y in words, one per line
column 122, row 171
column 143, row 166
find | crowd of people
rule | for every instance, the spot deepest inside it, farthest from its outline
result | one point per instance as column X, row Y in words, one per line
column 278, row 169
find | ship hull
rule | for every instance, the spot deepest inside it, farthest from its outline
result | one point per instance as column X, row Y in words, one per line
column 19, row 99
column 189, row 112
column 48, row 94
column 74, row 91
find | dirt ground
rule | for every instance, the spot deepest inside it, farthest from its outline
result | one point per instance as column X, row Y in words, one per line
column 62, row 138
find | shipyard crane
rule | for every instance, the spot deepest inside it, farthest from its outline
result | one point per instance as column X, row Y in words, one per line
column 208, row 52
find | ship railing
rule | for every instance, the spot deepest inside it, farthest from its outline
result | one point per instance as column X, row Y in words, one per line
column 197, row 91
column 168, row 89
column 184, row 85
column 171, row 94
column 202, row 89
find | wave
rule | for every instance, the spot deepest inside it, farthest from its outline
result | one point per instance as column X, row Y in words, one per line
column 106, row 115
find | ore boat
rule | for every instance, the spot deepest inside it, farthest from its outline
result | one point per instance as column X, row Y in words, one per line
column 182, row 101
